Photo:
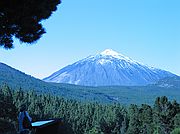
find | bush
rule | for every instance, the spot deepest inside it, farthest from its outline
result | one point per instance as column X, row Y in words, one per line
column 6, row 127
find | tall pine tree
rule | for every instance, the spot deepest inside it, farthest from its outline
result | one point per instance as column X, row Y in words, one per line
column 22, row 19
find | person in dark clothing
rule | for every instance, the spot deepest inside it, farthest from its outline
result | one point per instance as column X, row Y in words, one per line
column 22, row 114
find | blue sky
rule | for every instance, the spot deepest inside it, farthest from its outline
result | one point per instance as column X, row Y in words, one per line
column 148, row 31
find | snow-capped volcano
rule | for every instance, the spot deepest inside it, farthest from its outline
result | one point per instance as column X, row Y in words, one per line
column 106, row 69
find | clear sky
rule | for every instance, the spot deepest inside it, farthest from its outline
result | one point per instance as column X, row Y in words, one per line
column 147, row 31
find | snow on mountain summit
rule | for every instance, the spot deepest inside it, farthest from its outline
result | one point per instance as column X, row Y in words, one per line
column 106, row 69
column 109, row 52
column 107, row 56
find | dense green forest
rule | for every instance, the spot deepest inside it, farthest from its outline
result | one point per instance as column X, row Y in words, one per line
column 90, row 118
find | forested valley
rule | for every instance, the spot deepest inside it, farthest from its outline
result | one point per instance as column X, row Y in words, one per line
column 90, row 118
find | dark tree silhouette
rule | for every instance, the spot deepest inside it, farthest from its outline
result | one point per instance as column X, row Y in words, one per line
column 22, row 19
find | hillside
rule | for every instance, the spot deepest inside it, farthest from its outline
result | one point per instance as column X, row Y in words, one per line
column 17, row 79
column 172, row 82
column 108, row 94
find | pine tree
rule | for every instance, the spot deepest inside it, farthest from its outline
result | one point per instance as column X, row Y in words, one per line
column 146, row 119
column 22, row 19
column 177, row 121
column 164, row 113
column 134, row 122
column 8, row 109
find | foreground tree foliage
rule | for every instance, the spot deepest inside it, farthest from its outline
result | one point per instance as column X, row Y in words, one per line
column 165, row 114
column 90, row 118
column 176, row 131
column 22, row 19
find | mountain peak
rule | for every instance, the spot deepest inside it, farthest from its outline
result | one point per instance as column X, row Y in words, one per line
column 106, row 69
column 109, row 52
